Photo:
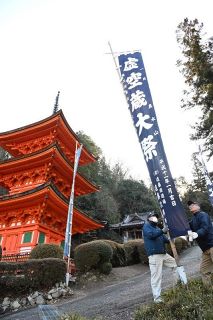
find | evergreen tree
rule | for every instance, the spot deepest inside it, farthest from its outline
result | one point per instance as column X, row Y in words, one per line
column 90, row 171
column 197, row 69
column 201, row 197
column 100, row 205
column 197, row 190
column 134, row 197
column 199, row 182
column 106, row 207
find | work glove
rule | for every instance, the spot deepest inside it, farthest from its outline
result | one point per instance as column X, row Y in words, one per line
column 194, row 235
column 165, row 229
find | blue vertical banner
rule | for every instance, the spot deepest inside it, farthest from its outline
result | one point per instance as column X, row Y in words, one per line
column 68, row 235
column 209, row 183
column 142, row 111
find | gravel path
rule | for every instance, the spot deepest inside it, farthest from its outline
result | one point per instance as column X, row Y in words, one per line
column 119, row 298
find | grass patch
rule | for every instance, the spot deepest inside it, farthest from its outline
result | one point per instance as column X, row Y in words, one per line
column 184, row 302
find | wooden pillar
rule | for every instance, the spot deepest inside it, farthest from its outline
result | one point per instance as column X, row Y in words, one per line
column 35, row 237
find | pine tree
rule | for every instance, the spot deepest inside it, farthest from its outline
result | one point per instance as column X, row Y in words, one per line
column 199, row 182
column 197, row 69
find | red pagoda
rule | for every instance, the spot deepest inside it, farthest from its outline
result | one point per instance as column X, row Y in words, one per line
column 38, row 178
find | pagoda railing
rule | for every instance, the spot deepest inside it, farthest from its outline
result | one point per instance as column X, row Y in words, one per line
column 19, row 257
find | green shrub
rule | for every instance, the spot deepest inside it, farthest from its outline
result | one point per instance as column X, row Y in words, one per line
column 132, row 252
column 118, row 257
column 180, row 244
column 106, row 268
column 185, row 243
column 92, row 255
column 0, row 253
column 43, row 250
column 32, row 274
column 49, row 271
column 184, row 302
column 142, row 252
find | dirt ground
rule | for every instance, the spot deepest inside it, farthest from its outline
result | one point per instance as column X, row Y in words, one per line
column 91, row 281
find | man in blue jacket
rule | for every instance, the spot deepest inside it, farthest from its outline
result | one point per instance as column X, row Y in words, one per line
column 154, row 242
column 202, row 231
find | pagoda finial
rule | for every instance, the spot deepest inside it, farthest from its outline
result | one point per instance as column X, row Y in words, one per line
column 55, row 109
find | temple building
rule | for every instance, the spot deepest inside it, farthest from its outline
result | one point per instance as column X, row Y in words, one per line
column 131, row 226
column 38, row 179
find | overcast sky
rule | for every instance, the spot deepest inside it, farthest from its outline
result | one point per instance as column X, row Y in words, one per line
column 51, row 45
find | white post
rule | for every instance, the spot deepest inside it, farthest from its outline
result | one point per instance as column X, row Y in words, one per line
column 68, row 237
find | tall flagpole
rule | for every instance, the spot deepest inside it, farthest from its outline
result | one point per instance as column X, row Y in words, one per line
column 118, row 70
column 68, row 235
column 180, row 268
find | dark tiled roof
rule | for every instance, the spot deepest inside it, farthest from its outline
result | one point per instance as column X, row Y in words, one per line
column 133, row 219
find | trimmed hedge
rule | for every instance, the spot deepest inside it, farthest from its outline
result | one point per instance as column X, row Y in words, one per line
column 133, row 250
column 180, row 244
column 142, row 252
column 92, row 255
column 46, row 250
column 106, row 268
column 118, row 257
column 32, row 274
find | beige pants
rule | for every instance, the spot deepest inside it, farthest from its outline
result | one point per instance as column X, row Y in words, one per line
column 156, row 263
column 206, row 267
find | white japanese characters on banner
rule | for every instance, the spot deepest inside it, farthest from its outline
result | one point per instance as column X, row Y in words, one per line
column 142, row 111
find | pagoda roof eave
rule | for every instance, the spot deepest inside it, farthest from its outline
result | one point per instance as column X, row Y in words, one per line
column 45, row 125
column 38, row 191
column 49, row 192
column 51, row 153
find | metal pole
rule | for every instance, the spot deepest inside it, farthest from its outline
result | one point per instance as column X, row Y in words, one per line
column 118, row 71
column 112, row 53
column 70, row 212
